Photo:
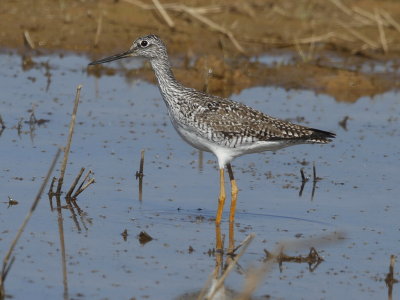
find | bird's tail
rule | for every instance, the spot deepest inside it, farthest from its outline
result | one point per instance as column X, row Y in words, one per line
column 320, row 136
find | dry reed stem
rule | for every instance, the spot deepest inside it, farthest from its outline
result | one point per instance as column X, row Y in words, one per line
column 382, row 35
column 25, row 221
column 358, row 35
column 164, row 13
column 255, row 276
column 73, row 185
column 177, row 7
column 84, row 179
column 390, row 19
column 307, row 40
column 196, row 13
column 28, row 40
column 369, row 16
column 98, row 30
column 213, row 26
column 78, row 192
column 71, row 132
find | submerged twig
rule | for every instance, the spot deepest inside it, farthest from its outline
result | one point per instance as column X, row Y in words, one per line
column 6, row 266
column 71, row 132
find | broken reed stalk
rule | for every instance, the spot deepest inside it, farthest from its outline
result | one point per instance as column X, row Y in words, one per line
column 98, row 30
column 28, row 40
column 382, row 35
column 79, row 191
column 164, row 13
column 140, row 174
column 390, row 20
column 72, row 188
column 27, row 217
column 71, row 132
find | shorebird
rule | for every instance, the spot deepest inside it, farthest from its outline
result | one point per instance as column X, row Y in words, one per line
column 224, row 127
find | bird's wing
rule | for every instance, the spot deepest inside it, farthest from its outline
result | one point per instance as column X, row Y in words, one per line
column 227, row 119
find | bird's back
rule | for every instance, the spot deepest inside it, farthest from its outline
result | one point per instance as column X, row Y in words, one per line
column 232, row 124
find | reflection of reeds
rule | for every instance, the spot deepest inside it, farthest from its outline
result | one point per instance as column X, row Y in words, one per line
column 2, row 125
column 313, row 259
column 62, row 246
column 6, row 261
column 255, row 276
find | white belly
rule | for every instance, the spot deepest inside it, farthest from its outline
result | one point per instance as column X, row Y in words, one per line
column 225, row 154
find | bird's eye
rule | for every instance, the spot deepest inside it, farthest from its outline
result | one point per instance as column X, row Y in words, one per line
column 144, row 43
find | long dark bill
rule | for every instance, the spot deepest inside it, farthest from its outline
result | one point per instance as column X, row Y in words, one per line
column 111, row 58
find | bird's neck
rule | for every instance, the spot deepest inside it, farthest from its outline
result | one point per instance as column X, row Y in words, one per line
column 167, row 83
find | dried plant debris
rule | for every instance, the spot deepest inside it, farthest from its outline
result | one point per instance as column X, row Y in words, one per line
column 313, row 259
column 343, row 122
column 144, row 237
column 125, row 234
column 11, row 202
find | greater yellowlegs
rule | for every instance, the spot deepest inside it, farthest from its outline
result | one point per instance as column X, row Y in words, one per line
column 224, row 127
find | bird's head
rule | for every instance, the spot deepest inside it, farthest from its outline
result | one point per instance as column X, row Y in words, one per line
column 149, row 46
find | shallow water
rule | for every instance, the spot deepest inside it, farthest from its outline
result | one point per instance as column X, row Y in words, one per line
column 358, row 193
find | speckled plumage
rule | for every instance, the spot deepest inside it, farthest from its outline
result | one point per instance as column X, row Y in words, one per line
column 219, row 125
column 224, row 127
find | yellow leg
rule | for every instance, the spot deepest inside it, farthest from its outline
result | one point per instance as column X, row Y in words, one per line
column 231, row 237
column 222, row 196
column 234, row 193
column 219, row 252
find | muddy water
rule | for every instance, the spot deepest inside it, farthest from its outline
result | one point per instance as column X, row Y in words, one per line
column 358, row 192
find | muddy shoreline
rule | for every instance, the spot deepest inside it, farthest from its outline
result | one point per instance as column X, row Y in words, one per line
column 215, row 42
